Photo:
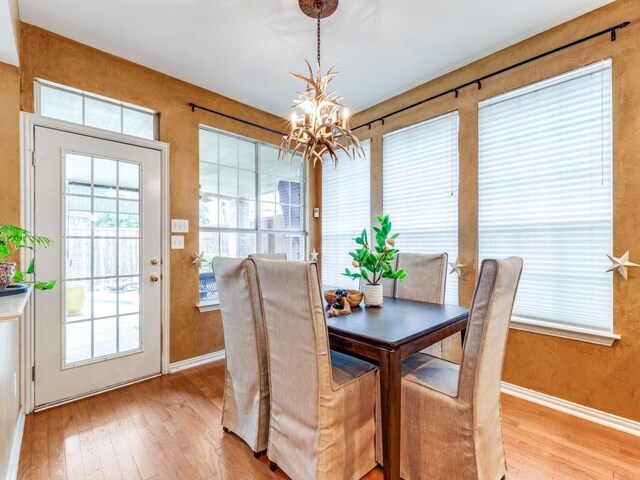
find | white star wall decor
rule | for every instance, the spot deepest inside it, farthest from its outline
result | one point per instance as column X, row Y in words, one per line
column 621, row 264
column 313, row 256
column 199, row 259
column 457, row 267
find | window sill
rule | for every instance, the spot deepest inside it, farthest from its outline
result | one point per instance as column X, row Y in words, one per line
column 572, row 333
column 208, row 306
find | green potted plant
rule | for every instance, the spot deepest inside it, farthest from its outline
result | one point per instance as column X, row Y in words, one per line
column 375, row 263
column 12, row 239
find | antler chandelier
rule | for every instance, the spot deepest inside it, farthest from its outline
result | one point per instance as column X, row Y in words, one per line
column 319, row 121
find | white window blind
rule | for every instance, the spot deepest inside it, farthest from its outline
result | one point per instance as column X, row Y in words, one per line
column 421, row 189
column 346, row 210
column 545, row 194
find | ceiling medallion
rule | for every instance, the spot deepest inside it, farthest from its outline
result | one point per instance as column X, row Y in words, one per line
column 319, row 121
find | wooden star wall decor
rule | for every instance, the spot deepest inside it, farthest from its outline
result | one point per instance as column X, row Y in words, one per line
column 457, row 267
column 621, row 264
column 199, row 259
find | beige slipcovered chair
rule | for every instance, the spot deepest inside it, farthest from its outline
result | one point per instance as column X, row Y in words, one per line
column 245, row 410
column 322, row 423
column 426, row 282
column 450, row 415
column 269, row 256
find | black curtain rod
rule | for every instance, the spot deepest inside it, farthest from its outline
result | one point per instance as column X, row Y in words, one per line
column 478, row 81
column 231, row 117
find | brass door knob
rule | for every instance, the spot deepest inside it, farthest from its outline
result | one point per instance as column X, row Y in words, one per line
column 154, row 277
column 154, row 261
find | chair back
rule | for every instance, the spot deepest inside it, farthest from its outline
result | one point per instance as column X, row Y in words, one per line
column 269, row 256
column 297, row 345
column 245, row 344
column 486, row 338
column 426, row 277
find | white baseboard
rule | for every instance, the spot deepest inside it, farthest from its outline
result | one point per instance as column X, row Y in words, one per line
column 14, row 456
column 575, row 409
column 196, row 361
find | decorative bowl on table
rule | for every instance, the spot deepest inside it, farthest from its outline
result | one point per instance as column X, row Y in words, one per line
column 354, row 297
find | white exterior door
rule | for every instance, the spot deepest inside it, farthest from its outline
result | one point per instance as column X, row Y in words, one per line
column 100, row 201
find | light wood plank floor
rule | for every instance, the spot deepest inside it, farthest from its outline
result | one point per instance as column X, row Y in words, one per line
column 169, row 428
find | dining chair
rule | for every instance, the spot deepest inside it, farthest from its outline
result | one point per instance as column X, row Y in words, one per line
column 269, row 256
column 450, row 414
column 245, row 409
column 426, row 282
column 322, row 423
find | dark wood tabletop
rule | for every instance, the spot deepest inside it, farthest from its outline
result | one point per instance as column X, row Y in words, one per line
column 397, row 322
column 385, row 336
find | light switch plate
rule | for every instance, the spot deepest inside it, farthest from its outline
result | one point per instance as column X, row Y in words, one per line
column 179, row 225
column 316, row 212
column 177, row 242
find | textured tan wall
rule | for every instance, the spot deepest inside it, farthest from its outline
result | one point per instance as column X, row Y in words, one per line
column 9, row 144
column 58, row 59
column 600, row 377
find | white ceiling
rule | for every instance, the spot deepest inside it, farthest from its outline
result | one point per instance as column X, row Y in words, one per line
column 244, row 49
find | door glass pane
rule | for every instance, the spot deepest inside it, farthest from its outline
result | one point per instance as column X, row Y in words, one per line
column 78, row 216
column 129, row 332
column 104, row 218
column 78, row 258
column 104, row 296
column 128, row 180
column 105, row 177
column 78, row 300
column 78, row 168
column 105, row 337
column 78, row 347
column 102, row 265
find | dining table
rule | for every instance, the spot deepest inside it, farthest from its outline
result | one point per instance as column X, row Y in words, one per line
column 385, row 336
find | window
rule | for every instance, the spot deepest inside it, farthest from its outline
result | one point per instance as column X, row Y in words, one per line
column 545, row 194
column 249, row 202
column 72, row 105
column 421, row 189
column 345, row 212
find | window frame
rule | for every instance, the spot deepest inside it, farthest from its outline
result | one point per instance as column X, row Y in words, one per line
column 214, row 304
column 84, row 95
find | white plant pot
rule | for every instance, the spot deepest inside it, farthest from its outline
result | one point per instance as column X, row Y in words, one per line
column 373, row 295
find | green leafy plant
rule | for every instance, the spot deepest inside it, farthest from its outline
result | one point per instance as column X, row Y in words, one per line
column 374, row 264
column 14, row 238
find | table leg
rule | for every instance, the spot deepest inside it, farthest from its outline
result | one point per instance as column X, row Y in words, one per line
column 390, row 390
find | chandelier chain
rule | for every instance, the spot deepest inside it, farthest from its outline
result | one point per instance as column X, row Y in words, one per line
column 320, row 6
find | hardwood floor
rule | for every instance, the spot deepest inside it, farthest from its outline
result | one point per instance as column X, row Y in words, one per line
column 169, row 428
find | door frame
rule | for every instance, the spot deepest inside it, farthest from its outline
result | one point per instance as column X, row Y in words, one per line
column 28, row 122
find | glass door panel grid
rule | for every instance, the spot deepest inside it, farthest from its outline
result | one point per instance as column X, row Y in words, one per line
column 102, row 261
